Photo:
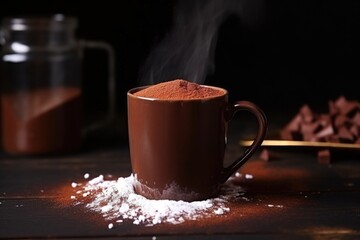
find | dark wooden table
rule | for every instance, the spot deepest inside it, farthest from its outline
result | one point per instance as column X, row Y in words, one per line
column 292, row 197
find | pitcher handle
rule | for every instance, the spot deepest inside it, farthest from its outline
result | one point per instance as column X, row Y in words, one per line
column 111, row 81
column 262, row 120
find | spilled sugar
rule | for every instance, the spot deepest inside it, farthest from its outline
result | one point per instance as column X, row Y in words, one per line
column 116, row 201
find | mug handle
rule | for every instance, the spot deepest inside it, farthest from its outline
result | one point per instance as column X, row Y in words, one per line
column 83, row 44
column 262, row 120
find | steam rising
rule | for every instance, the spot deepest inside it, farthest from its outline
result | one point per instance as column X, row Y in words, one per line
column 188, row 51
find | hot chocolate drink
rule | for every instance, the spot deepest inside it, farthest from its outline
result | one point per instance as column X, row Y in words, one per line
column 177, row 137
column 41, row 120
column 179, row 90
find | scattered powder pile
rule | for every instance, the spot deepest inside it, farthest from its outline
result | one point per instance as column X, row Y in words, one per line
column 117, row 201
column 179, row 90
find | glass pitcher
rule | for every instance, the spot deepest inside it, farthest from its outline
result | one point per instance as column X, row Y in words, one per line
column 41, row 87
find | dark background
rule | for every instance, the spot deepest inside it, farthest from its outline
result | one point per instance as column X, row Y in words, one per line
column 278, row 54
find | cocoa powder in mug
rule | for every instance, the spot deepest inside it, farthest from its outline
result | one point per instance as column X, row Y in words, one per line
column 179, row 89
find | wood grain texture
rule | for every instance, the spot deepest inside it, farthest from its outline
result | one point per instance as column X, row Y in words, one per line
column 294, row 196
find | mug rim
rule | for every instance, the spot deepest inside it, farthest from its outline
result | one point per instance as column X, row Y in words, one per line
column 131, row 92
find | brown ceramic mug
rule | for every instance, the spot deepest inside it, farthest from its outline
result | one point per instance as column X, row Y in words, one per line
column 177, row 147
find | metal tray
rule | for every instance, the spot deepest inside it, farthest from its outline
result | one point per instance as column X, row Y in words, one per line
column 290, row 143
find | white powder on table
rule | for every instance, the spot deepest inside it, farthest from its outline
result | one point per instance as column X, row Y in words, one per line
column 117, row 201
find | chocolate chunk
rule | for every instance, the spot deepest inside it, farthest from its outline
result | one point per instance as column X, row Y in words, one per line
column 346, row 107
column 267, row 155
column 326, row 131
column 356, row 119
column 324, row 120
column 345, row 135
column 324, row 156
column 310, row 127
column 355, row 130
column 306, row 114
column 333, row 109
column 340, row 102
column 332, row 138
column 340, row 120
column 309, row 136
column 341, row 124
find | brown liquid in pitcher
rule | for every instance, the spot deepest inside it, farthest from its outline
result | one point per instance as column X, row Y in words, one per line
column 42, row 121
